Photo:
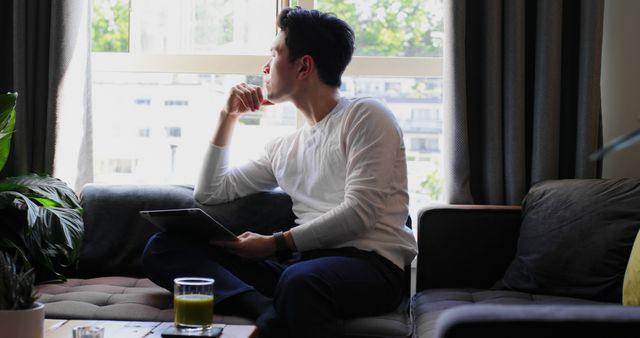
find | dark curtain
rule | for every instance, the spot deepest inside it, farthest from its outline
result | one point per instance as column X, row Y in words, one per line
column 521, row 95
column 41, row 39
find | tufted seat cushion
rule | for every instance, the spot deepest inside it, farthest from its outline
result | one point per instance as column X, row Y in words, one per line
column 112, row 298
column 127, row 298
column 428, row 305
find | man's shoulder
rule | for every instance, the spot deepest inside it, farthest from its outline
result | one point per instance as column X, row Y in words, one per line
column 366, row 102
column 368, row 107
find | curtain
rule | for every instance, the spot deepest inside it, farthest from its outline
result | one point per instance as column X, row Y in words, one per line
column 521, row 95
column 45, row 58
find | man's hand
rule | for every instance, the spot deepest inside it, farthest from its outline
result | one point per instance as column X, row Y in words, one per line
column 243, row 98
column 250, row 245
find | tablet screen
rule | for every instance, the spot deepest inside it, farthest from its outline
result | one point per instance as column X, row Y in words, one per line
column 192, row 221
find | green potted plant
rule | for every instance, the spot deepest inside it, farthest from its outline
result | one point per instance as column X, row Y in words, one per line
column 40, row 216
column 20, row 314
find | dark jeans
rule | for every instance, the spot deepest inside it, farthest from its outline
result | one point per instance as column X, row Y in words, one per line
column 310, row 293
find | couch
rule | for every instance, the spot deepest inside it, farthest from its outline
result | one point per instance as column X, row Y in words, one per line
column 465, row 254
column 470, row 271
column 108, row 283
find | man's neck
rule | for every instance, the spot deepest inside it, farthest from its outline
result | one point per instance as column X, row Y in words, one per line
column 317, row 104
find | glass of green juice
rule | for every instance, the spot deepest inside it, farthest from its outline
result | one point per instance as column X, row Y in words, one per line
column 193, row 303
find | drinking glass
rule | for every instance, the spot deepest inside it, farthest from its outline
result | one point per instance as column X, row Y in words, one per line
column 193, row 303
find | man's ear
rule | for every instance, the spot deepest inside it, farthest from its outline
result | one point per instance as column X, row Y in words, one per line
column 306, row 66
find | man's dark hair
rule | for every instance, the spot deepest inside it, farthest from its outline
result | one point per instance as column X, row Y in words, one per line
column 327, row 39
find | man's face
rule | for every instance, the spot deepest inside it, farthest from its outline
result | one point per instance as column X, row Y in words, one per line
column 279, row 73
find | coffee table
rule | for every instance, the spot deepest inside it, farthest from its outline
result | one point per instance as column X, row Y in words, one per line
column 63, row 328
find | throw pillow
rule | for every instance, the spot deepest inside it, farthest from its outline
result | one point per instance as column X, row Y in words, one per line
column 631, row 284
column 575, row 238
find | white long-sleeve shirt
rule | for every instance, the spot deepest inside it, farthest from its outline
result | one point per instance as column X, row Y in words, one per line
column 346, row 175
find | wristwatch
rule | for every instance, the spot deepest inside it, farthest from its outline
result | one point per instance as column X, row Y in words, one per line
column 283, row 252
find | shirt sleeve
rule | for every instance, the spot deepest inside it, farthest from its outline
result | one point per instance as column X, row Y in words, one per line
column 219, row 182
column 372, row 140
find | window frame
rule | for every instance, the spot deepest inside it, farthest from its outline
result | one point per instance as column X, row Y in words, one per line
column 369, row 66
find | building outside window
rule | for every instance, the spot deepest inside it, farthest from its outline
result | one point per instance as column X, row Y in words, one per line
column 173, row 131
column 144, row 132
column 176, row 103
column 162, row 70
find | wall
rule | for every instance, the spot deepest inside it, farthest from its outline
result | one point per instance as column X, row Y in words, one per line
column 621, row 84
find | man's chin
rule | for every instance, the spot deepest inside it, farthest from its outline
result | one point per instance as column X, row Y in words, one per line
column 272, row 100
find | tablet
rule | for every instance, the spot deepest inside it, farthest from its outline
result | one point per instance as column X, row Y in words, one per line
column 192, row 221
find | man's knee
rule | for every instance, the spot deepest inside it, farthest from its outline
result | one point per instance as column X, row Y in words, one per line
column 163, row 253
column 300, row 284
column 153, row 255
column 304, row 302
column 156, row 245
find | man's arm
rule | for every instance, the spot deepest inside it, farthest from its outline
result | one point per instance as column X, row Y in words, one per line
column 218, row 182
column 242, row 98
column 226, row 124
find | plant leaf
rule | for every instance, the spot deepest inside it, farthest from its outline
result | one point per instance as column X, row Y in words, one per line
column 49, row 187
column 8, row 186
column 66, row 228
column 46, row 202
column 22, row 202
column 7, row 124
column 17, row 290
column 6, row 243
column 54, row 226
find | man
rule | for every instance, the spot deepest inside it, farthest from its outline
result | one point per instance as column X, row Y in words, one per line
column 346, row 174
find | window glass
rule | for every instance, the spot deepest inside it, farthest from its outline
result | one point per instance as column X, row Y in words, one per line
column 154, row 128
column 391, row 27
column 183, row 26
column 202, row 26
column 110, row 26
column 416, row 103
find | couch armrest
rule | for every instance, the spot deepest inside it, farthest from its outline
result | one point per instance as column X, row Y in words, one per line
column 467, row 246
column 506, row 320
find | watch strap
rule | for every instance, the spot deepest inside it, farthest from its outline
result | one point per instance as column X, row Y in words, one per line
column 283, row 252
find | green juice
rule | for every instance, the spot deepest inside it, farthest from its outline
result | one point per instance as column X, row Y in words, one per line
column 193, row 310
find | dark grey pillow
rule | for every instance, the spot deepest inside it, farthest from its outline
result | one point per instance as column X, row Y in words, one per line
column 575, row 238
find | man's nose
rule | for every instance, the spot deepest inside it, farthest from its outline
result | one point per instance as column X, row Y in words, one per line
column 266, row 69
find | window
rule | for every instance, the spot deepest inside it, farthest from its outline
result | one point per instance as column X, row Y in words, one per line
column 418, row 144
column 144, row 132
column 173, row 131
column 169, row 64
column 121, row 166
column 176, row 103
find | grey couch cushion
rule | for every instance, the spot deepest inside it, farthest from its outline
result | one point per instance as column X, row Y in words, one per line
column 427, row 306
column 126, row 298
column 115, row 233
column 539, row 320
column 112, row 298
column 576, row 237
column 397, row 324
